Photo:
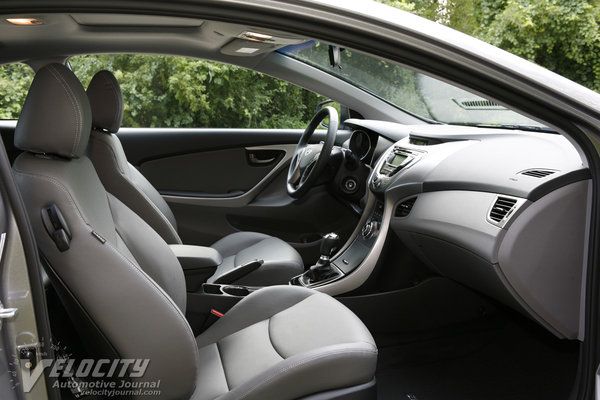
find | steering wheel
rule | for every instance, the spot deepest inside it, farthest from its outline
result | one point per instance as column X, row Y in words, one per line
column 309, row 161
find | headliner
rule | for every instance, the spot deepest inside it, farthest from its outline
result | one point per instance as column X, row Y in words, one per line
column 65, row 35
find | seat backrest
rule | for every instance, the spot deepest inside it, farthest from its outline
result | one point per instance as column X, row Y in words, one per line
column 119, row 177
column 119, row 272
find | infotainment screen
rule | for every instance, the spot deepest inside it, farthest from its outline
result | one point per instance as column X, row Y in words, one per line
column 397, row 160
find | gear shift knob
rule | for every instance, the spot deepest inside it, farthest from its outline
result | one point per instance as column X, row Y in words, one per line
column 323, row 270
column 329, row 244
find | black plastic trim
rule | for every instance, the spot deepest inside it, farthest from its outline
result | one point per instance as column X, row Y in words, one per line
column 558, row 182
column 534, row 195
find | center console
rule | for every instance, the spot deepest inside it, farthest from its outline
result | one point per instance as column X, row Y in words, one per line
column 210, row 301
column 350, row 259
column 396, row 159
column 331, row 270
column 206, row 302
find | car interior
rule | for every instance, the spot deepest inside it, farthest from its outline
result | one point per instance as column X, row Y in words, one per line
column 378, row 253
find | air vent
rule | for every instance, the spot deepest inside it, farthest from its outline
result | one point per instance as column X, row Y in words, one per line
column 478, row 104
column 502, row 208
column 404, row 208
column 538, row 173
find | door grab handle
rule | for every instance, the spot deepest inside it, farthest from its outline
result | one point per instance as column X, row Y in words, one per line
column 253, row 159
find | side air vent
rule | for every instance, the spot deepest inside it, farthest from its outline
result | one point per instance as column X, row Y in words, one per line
column 478, row 104
column 538, row 173
column 502, row 208
column 404, row 208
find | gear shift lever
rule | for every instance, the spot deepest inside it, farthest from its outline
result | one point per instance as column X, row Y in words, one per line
column 329, row 244
column 322, row 269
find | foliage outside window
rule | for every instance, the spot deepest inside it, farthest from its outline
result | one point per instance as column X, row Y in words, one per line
column 561, row 35
column 15, row 80
column 167, row 91
column 419, row 94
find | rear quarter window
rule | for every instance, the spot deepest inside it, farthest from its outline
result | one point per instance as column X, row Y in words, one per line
column 15, row 80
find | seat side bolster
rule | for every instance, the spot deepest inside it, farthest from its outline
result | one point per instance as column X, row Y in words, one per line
column 160, row 264
column 125, row 182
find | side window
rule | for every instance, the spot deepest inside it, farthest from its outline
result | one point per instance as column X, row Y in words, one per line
column 178, row 92
column 15, row 80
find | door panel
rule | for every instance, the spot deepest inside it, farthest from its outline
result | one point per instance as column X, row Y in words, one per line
column 203, row 173
column 145, row 144
column 214, row 188
column 281, row 154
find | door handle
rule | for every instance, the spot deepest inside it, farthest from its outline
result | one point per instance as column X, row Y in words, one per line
column 262, row 157
column 258, row 161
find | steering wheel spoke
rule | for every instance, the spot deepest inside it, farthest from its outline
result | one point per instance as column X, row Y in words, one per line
column 309, row 160
column 294, row 172
column 307, row 171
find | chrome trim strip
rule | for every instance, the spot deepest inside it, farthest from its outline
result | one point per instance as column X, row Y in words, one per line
column 357, row 277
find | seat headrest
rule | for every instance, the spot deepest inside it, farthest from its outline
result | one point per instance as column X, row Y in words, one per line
column 106, row 101
column 56, row 117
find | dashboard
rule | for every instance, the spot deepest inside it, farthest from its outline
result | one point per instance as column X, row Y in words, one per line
column 502, row 211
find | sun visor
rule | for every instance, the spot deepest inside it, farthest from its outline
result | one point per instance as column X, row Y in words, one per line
column 253, row 43
column 241, row 47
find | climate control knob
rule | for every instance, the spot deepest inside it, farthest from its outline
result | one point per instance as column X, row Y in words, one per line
column 370, row 229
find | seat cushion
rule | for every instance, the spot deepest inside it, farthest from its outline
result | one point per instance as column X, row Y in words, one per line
column 284, row 342
column 281, row 261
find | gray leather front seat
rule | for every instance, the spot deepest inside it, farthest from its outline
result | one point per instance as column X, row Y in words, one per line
column 281, row 261
column 127, row 289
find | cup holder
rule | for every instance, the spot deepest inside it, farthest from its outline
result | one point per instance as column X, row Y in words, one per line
column 211, row 288
column 231, row 290
column 235, row 290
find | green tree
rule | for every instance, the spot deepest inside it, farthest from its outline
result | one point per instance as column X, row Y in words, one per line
column 561, row 35
column 457, row 14
column 387, row 80
column 15, row 80
column 165, row 91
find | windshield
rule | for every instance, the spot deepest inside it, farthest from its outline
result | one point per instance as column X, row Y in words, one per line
column 425, row 97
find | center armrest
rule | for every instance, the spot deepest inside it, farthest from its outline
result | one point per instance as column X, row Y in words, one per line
column 196, row 257
column 198, row 263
